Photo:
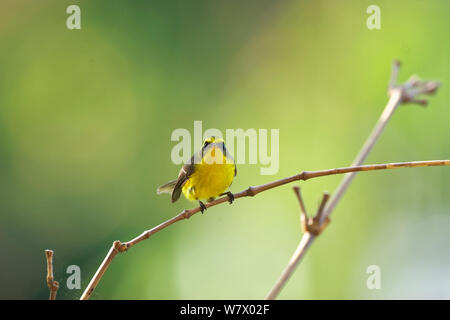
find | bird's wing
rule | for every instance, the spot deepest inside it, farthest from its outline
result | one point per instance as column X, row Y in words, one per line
column 183, row 176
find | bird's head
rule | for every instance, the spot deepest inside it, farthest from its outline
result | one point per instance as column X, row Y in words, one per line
column 211, row 145
column 212, row 140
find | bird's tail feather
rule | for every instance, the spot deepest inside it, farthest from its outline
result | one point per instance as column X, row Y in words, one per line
column 167, row 188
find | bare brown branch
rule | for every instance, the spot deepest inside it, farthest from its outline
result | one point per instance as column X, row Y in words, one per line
column 249, row 192
column 52, row 284
column 399, row 94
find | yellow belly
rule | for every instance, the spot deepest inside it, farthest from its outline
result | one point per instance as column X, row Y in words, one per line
column 208, row 181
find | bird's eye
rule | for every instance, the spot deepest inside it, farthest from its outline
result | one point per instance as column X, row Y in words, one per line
column 206, row 144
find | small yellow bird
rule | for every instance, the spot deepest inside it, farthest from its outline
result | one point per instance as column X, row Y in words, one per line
column 206, row 176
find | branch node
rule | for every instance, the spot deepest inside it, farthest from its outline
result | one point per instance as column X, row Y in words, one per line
column 119, row 246
column 412, row 88
column 186, row 214
column 251, row 191
column 316, row 228
column 314, row 225
column 302, row 176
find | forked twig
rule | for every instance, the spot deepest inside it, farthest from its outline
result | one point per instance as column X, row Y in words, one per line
column 399, row 94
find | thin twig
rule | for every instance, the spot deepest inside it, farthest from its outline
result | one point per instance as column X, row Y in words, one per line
column 303, row 214
column 319, row 213
column 52, row 284
column 399, row 94
column 299, row 252
column 249, row 192
column 311, row 228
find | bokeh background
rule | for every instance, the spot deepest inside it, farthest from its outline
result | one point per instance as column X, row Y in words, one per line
column 86, row 118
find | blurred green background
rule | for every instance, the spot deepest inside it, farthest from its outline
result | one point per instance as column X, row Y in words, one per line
column 86, row 118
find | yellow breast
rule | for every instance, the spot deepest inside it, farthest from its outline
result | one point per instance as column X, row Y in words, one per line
column 209, row 180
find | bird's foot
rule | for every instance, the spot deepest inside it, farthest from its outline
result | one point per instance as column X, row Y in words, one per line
column 230, row 196
column 202, row 207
